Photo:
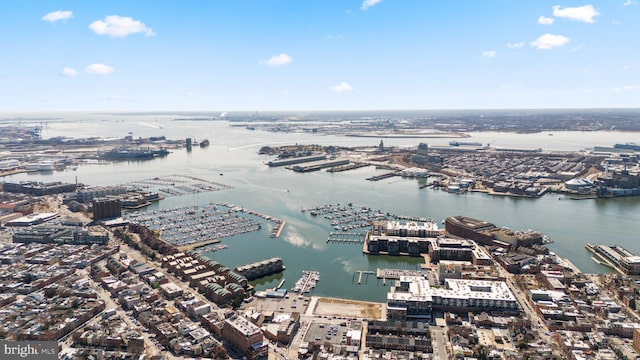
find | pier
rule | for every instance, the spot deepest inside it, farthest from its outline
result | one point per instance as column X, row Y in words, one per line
column 347, row 237
column 383, row 176
column 197, row 245
column 351, row 166
column 363, row 274
column 307, row 282
column 277, row 231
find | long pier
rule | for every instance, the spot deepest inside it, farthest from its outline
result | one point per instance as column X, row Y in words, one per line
column 347, row 237
column 197, row 245
column 351, row 166
column 382, row 176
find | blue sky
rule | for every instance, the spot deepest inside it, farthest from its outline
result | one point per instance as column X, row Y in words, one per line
column 318, row 55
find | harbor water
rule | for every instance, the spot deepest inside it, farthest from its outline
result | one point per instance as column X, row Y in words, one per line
column 232, row 159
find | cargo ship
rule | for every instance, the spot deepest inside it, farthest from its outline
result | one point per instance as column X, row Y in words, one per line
column 464, row 143
column 132, row 154
column 627, row 146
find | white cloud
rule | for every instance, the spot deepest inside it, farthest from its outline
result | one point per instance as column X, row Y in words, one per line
column 58, row 15
column 627, row 88
column 99, row 69
column 626, row 67
column 515, row 45
column 584, row 13
column 120, row 26
column 342, row 87
column 542, row 20
column 628, row 3
column 366, row 4
column 549, row 41
column 279, row 60
column 67, row 71
column 489, row 54
column 331, row 37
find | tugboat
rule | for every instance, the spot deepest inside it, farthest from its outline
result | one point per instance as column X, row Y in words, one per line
column 204, row 143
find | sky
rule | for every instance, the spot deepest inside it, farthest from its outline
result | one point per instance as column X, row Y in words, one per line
column 273, row 55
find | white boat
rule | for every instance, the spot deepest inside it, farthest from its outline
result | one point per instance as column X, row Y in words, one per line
column 46, row 166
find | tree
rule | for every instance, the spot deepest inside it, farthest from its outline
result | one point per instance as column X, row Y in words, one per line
column 237, row 301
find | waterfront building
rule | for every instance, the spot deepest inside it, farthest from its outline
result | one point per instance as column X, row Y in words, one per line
column 414, row 298
column 38, row 188
column 409, row 229
column 620, row 257
column 486, row 233
column 260, row 268
column 469, row 228
column 244, row 337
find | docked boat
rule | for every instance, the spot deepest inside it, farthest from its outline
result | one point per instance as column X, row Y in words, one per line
column 46, row 166
column 204, row 143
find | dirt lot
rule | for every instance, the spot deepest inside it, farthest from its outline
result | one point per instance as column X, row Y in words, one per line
column 348, row 308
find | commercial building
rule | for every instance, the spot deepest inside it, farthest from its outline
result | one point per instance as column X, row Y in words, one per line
column 32, row 219
column 244, row 337
column 413, row 297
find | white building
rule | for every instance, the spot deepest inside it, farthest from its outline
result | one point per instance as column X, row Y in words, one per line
column 413, row 297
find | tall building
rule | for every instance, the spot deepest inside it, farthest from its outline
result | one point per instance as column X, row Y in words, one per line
column 106, row 208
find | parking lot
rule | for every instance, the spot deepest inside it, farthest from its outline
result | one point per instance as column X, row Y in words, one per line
column 290, row 303
column 331, row 333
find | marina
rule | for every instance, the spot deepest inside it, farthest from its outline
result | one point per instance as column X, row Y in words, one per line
column 194, row 226
column 178, row 185
column 307, row 282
